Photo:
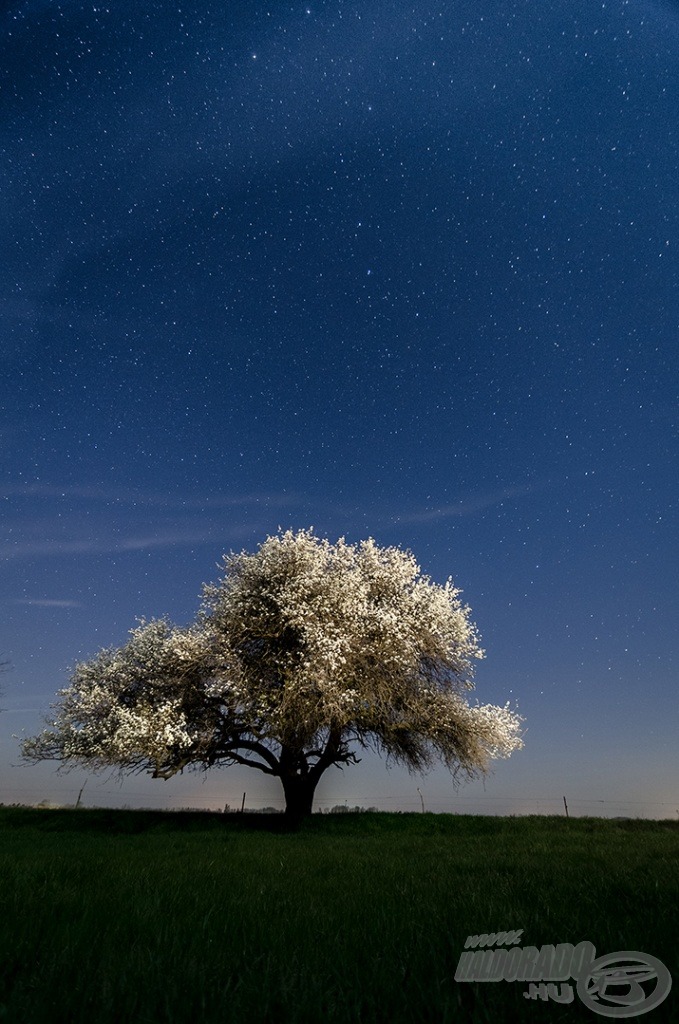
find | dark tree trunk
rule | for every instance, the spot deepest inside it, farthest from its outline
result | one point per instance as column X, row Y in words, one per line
column 299, row 797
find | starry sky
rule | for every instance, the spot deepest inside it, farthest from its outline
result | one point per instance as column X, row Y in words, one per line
column 386, row 269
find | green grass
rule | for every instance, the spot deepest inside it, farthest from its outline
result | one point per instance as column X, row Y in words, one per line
column 124, row 917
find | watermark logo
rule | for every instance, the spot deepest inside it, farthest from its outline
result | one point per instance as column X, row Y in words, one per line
column 612, row 985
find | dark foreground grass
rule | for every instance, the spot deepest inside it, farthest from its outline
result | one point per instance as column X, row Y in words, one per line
column 123, row 917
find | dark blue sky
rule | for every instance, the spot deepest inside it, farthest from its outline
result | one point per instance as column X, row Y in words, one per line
column 384, row 269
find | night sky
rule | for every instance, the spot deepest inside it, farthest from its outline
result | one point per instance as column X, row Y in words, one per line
column 386, row 269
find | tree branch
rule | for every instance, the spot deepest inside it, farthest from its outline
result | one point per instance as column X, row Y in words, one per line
column 228, row 750
column 333, row 752
column 239, row 759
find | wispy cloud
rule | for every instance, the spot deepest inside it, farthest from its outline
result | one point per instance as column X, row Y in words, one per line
column 51, row 519
column 114, row 495
column 40, row 602
column 469, row 506
column 109, row 545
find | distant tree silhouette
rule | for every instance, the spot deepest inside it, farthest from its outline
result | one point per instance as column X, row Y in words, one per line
column 4, row 667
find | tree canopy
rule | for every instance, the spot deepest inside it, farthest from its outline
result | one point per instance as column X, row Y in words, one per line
column 301, row 652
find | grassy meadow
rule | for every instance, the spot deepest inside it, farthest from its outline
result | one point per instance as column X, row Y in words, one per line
column 152, row 917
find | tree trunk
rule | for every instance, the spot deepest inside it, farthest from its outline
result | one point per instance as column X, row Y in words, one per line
column 299, row 797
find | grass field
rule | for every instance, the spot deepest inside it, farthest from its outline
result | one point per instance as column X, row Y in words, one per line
column 142, row 917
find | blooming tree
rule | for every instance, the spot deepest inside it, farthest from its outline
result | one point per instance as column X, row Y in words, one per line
column 301, row 652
